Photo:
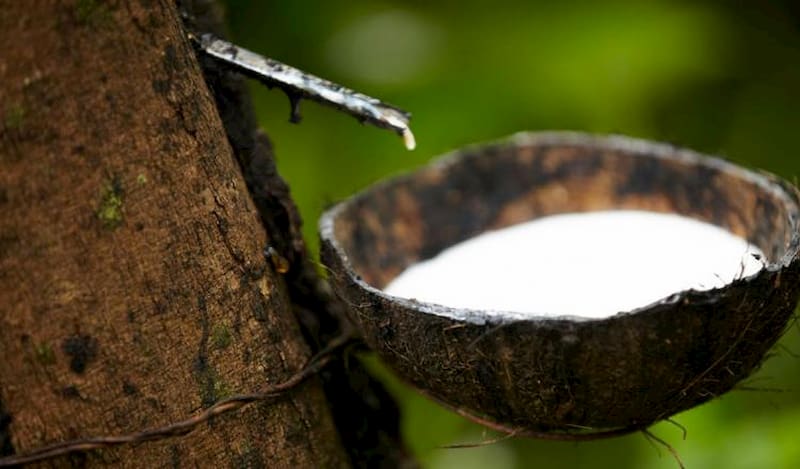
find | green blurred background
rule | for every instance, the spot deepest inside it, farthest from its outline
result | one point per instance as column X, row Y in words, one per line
column 708, row 75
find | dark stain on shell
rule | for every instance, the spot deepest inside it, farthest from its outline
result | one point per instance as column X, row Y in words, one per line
column 566, row 376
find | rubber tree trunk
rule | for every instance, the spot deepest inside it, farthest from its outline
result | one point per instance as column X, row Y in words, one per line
column 133, row 289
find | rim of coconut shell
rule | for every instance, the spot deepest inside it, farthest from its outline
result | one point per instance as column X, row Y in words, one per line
column 634, row 147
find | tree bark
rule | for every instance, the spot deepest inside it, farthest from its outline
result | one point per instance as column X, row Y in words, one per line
column 133, row 291
column 365, row 415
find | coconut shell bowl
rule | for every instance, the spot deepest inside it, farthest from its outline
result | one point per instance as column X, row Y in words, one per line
column 565, row 377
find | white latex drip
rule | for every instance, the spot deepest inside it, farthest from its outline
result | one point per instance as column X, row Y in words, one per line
column 592, row 265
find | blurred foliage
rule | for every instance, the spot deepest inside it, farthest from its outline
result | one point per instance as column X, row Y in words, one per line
column 720, row 77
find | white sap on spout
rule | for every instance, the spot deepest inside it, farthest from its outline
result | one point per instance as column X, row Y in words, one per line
column 591, row 264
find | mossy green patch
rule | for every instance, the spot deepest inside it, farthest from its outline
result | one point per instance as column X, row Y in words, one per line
column 110, row 210
column 221, row 389
column 44, row 354
column 14, row 117
column 92, row 12
column 212, row 387
column 141, row 179
column 221, row 336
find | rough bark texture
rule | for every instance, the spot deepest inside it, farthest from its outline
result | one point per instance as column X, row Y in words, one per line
column 365, row 415
column 133, row 290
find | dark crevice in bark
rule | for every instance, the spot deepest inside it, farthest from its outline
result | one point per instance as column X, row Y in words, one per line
column 6, row 447
column 366, row 416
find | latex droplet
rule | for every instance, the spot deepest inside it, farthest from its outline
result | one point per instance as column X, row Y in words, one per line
column 408, row 139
